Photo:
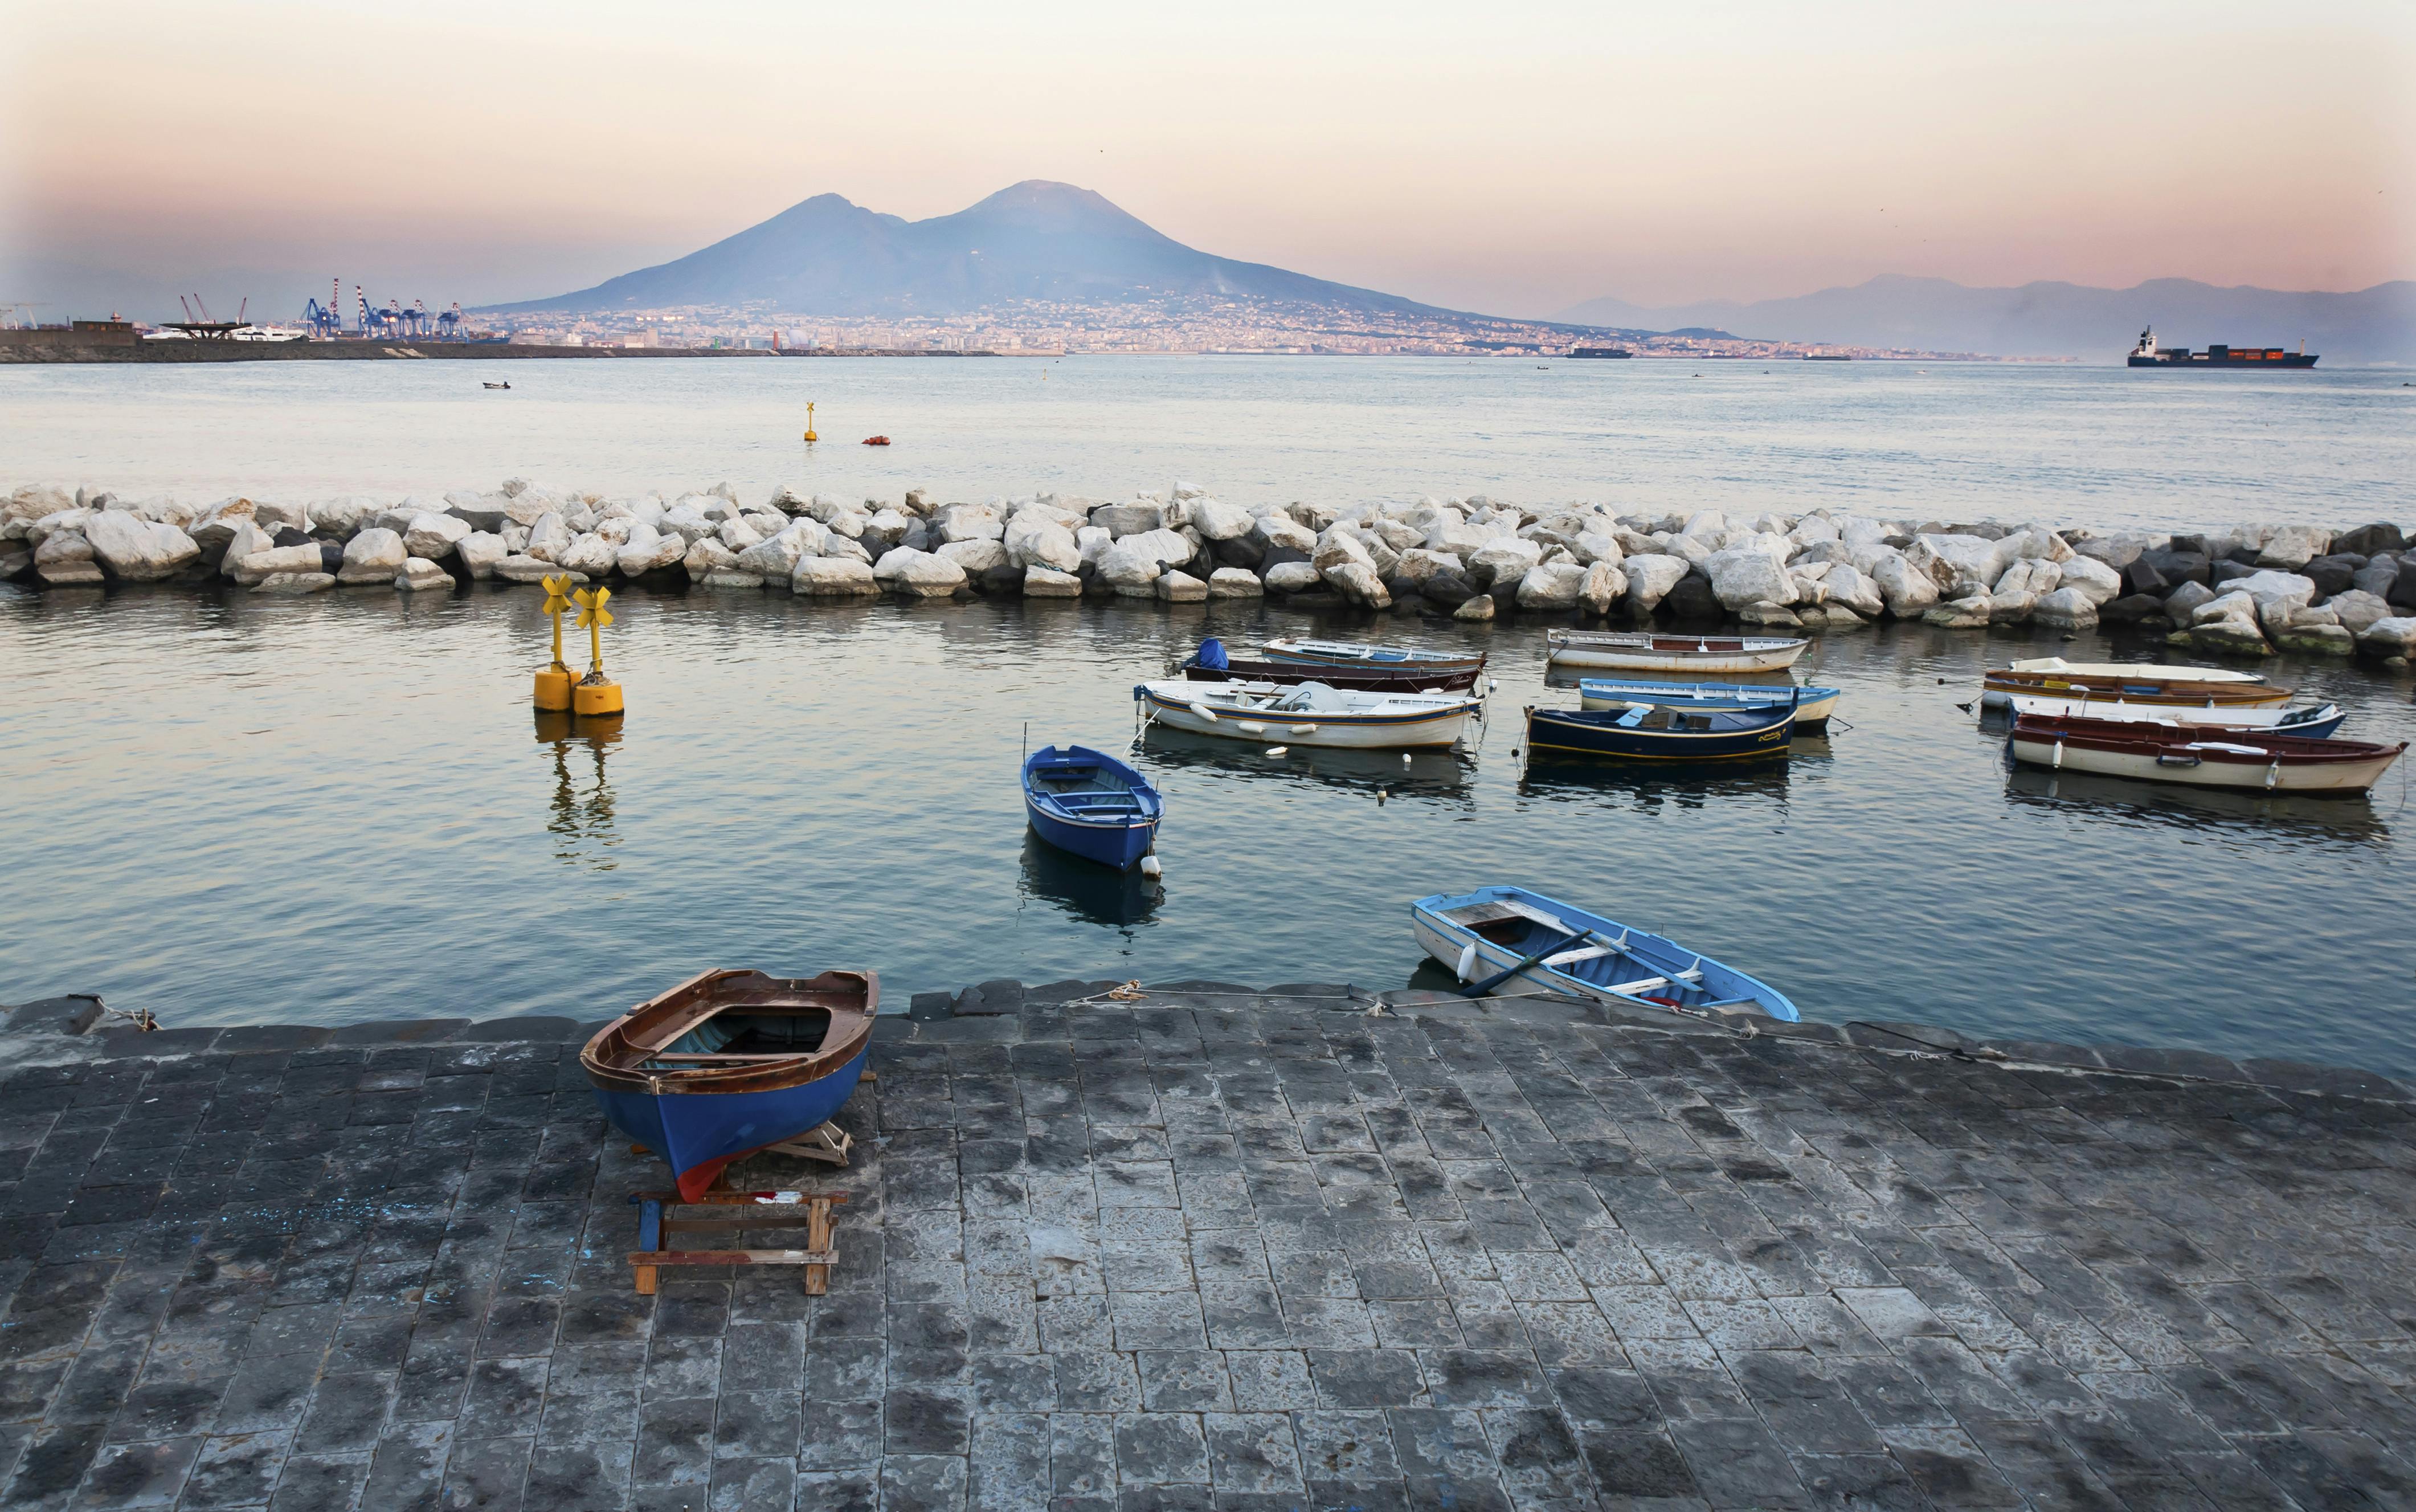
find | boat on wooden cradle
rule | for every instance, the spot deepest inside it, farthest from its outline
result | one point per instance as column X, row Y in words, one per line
column 1309, row 714
column 1687, row 655
column 731, row 1062
column 1813, row 705
column 2316, row 721
column 2000, row 685
column 1640, row 732
column 1090, row 805
column 1511, row 941
column 1217, row 665
column 2251, row 759
column 1351, row 654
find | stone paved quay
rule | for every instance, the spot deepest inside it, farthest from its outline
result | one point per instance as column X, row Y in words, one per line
column 1257, row 1250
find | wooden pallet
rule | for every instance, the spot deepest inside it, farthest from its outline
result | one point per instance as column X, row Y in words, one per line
column 662, row 1215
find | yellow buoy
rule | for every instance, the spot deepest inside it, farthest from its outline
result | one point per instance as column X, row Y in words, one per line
column 554, row 682
column 810, row 422
column 595, row 694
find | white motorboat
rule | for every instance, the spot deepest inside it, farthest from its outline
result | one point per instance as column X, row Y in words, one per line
column 1309, row 714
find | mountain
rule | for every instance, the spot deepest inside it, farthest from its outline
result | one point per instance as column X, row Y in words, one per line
column 1035, row 240
column 2057, row 320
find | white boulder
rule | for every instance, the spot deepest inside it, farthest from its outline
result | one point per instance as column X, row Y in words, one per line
column 2357, row 609
column 1037, row 538
column 1130, row 567
column 531, row 569
column 1504, row 559
column 1284, row 531
column 288, row 560
column 435, row 535
column 294, row 582
column 1358, row 582
column 1906, row 589
column 1551, row 586
column 592, row 554
column 1232, row 583
column 217, row 526
column 1046, row 582
column 1218, row 522
column 833, row 577
column 1181, row 588
column 902, row 570
column 2093, row 581
column 648, row 549
column 2072, row 607
column 1650, row 578
column 977, row 555
column 374, row 555
column 480, row 550
column 2393, row 637
column 1746, row 575
column 1292, row 577
column 2294, row 546
column 135, row 549
column 420, row 575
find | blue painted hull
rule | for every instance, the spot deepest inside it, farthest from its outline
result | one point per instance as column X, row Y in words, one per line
column 1118, row 845
column 1557, row 732
column 698, row 1133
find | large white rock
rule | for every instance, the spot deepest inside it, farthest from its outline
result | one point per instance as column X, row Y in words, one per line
column 706, row 557
column 2285, row 593
column 738, row 533
column 1650, row 578
column 2294, row 546
column 1397, row 534
column 1906, row 589
column 977, row 555
column 1956, row 562
column 1418, row 564
column 1122, row 519
column 1551, row 586
column 1747, row 575
column 1293, row 577
column 838, row 545
column 1599, row 546
column 64, row 546
column 1130, row 567
column 216, row 527
column 294, row 582
column 592, row 554
column 648, row 550
column 1284, row 531
column 1851, row 588
column 1217, row 521
column 2043, row 546
column 435, row 535
column 2393, row 637
column 775, row 559
column 480, row 550
column 2027, row 577
column 2357, row 609
column 136, row 549
column 1094, row 542
column 420, row 575
column 1045, row 583
column 374, row 555
column 1235, row 582
column 2236, row 607
column 1037, row 539
column 1358, row 582
column 903, row 569
column 1339, row 546
column 291, row 559
column 1604, row 587
column 244, row 540
column 1504, row 559
column 1180, row 588
column 680, row 519
column 1172, row 548
column 833, row 577
column 531, row 570
column 969, row 522
column 2070, row 607
column 2093, row 581
column 551, row 536
column 275, row 517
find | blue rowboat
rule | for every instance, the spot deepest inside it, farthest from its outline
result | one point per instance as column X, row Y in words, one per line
column 731, row 1062
column 1813, row 705
column 1662, row 732
column 1487, row 932
column 1092, row 805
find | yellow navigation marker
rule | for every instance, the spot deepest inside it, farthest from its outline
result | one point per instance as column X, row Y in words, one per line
column 810, row 422
column 554, row 682
column 596, row 694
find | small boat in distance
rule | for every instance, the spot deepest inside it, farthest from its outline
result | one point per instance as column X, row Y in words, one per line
column 1643, row 651
column 2251, row 759
column 731, row 1062
column 1350, row 653
column 1092, row 805
column 505, row 383
column 1813, row 705
column 1212, row 663
column 2002, row 686
column 1663, row 732
column 1523, row 942
column 876, row 441
column 1309, row 714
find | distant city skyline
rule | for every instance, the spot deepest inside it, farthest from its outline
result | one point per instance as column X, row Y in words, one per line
column 1515, row 163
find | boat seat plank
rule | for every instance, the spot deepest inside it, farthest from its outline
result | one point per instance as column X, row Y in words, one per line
column 1570, row 958
column 1642, row 984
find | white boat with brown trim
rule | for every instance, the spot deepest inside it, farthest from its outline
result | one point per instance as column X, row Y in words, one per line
column 2313, row 720
column 2002, row 684
column 1690, row 655
column 1309, row 714
column 2134, row 669
column 2237, row 759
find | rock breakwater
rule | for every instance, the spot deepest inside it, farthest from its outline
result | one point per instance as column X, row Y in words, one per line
column 2247, row 590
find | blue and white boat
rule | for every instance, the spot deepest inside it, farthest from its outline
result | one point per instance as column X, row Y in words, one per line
column 1813, row 705
column 731, row 1062
column 1092, row 805
column 1563, row 950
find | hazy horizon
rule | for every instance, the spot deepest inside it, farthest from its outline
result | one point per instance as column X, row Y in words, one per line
column 1546, row 157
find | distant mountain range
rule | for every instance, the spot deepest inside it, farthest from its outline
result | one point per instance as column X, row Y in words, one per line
column 2055, row 320
column 1036, row 240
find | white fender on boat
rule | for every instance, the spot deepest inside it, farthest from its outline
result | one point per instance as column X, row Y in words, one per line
column 1303, row 729
column 1250, row 727
column 1150, row 866
column 1468, row 961
column 1203, row 711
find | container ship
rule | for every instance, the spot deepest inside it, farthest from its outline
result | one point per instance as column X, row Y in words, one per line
column 2148, row 354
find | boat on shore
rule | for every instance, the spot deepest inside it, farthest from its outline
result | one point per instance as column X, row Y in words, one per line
column 731, row 1062
column 1643, row 731
column 1512, row 941
column 2313, row 721
column 1309, row 714
column 1350, row 653
column 1090, row 805
column 1218, row 666
column 1692, row 655
column 1813, row 705
column 2001, row 686
column 2202, row 758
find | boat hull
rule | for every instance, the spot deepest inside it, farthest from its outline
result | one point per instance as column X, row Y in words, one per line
column 2159, row 670
column 1119, row 845
column 1554, row 733
column 696, row 1134
column 1446, row 940
column 1345, row 654
column 2279, row 718
column 2345, row 774
column 2001, row 686
column 1689, row 656
column 1345, row 732
column 1357, row 679
column 1812, row 711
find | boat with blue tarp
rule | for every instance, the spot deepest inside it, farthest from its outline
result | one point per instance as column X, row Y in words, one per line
column 731, row 1062
column 1092, row 805
column 1511, row 941
column 1813, row 705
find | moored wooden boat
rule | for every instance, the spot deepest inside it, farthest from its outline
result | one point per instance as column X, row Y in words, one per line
column 1309, row 714
column 1212, row 663
column 730, row 1062
column 1092, row 805
column 1484, row 933
column 1687, row 655
column 2196, row 757
column 1640, row 732
column 2315, row 722
column 1351, row 654
column 1813, row 705
column 2005, row 683
column 2135, row 669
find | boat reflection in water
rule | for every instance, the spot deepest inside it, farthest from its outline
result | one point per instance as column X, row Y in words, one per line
column 1086, row 890
column 582, row 822
column 2209, row 810
column 1649, row 786
column 1439, row 772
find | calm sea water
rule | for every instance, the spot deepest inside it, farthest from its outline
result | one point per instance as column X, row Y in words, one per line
column 2100, row 446
column 231, row 810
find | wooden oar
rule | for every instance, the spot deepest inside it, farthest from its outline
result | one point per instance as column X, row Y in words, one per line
column 1481, row 988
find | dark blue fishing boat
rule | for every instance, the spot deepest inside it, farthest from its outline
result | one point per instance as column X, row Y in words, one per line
column 1090, row 805
column 731, row 1062
column 1663, row 732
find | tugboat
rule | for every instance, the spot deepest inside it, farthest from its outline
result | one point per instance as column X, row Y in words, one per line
column 2148, row 354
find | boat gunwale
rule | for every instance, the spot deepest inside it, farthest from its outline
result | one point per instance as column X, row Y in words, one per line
column 615, row 1063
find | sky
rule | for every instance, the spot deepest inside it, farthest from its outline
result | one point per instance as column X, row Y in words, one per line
column 1513, row 158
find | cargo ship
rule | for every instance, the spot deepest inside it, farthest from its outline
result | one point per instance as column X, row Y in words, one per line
column 2148, row 354
column 1600, row 351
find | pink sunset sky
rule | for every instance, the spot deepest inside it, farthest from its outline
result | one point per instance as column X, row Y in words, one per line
column 1512, row 158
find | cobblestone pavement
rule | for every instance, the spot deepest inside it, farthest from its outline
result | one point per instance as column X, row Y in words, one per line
column 1208, row 1251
